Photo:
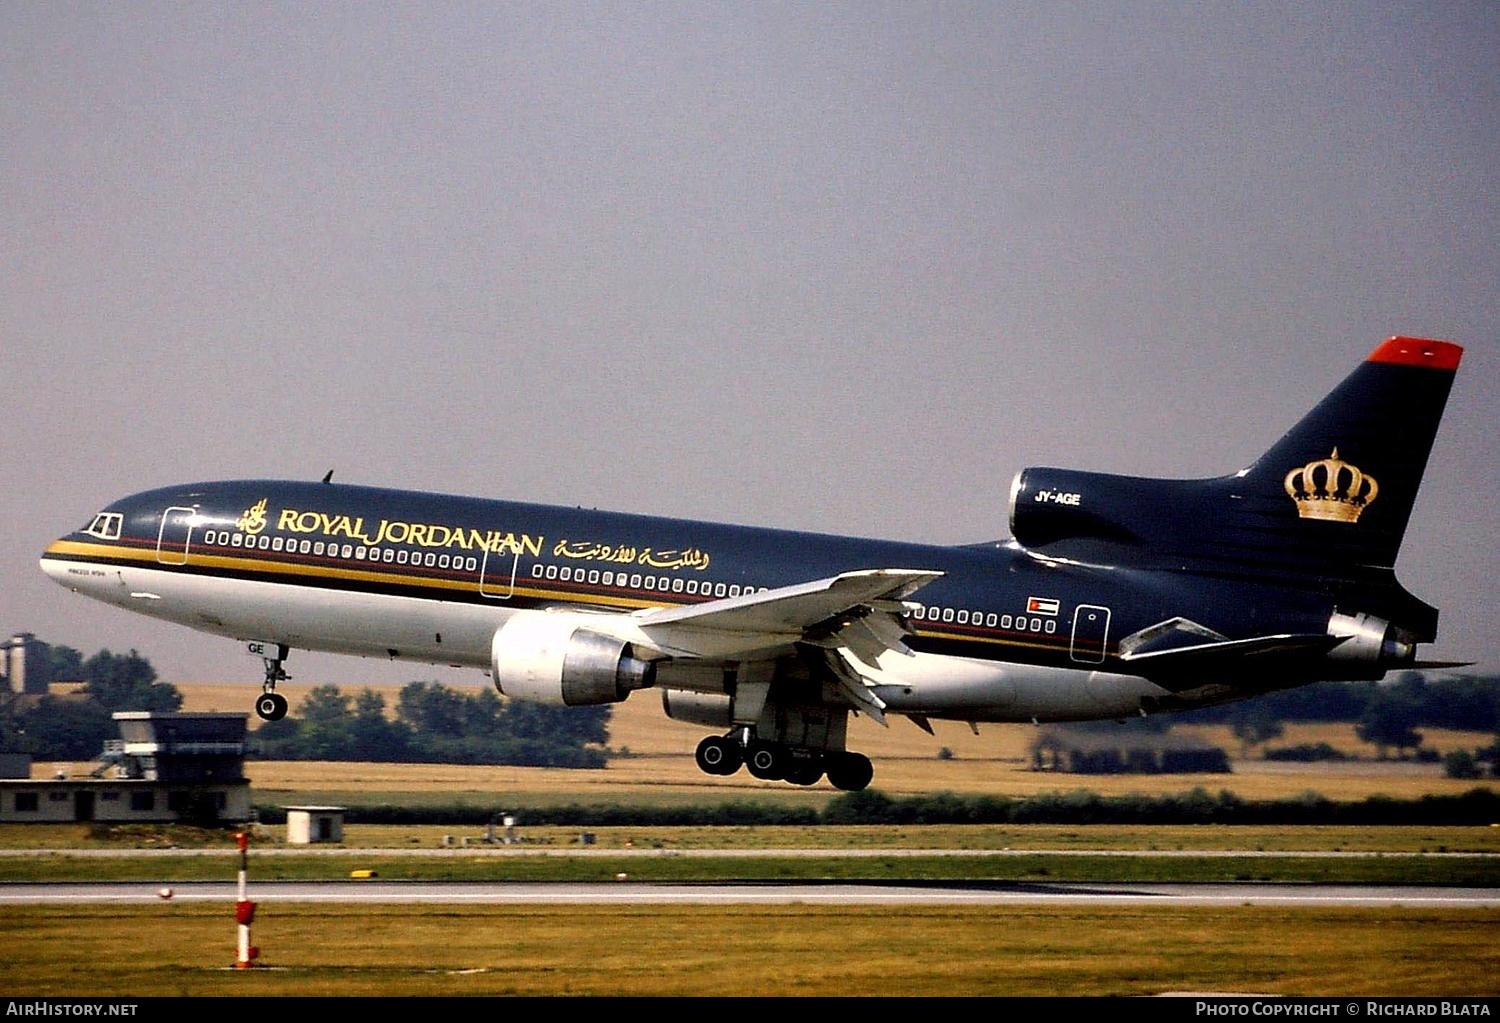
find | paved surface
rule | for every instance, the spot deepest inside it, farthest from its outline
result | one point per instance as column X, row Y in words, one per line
column 625, row 892
column 587, row 852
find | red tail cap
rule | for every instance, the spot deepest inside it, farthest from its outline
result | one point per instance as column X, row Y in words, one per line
column 1417, row 351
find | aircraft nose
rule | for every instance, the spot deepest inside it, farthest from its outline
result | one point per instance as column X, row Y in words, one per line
column 56, row 569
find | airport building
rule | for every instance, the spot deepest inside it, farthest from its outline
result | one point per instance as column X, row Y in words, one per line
column 165, row 768
column 25, row 666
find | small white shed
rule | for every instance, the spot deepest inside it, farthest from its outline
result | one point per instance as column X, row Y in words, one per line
column 307, row 824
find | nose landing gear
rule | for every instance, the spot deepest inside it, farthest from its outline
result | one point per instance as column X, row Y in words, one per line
column 271, row 705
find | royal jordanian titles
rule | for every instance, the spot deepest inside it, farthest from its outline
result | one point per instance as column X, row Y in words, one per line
column 1116, row 596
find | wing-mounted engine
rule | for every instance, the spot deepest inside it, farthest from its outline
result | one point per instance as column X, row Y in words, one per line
column 712, row 710
column 566, row 659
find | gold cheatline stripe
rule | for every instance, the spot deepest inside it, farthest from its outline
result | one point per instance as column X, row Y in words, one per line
column 994, row 641
column 149, row 559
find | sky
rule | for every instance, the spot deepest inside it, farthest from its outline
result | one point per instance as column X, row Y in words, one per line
column 843, row 267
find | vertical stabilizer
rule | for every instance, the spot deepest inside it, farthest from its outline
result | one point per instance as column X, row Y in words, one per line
column 1340, row 486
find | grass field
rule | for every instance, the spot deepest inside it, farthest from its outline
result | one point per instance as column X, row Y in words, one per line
column 172, row 949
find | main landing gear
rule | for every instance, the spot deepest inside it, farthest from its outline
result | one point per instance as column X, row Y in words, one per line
column 271, row 705
column 772, row 761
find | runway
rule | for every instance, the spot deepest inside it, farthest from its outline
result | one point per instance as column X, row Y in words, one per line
column 627, row 892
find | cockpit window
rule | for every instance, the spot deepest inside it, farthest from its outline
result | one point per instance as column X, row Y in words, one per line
column 106, row 526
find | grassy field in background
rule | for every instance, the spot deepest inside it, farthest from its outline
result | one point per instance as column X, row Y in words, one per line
column 654, row 765
column 174, row 949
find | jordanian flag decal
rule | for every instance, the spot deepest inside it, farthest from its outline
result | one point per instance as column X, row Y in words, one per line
column 1041, row 606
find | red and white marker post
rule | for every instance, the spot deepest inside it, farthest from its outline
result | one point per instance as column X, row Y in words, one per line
column 244, row 910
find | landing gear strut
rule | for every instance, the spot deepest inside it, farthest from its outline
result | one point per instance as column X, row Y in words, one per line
column 271, row 705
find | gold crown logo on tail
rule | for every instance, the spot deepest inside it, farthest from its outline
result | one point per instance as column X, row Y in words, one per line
column 1330, row 489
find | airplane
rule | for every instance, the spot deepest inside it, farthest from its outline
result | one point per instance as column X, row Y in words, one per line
column 1115, row 596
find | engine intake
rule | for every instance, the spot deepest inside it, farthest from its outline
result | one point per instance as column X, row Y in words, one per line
column 558, row 659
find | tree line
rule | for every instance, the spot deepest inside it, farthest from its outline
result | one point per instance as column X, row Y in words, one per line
column 1387, row 716
column 53, row 727
column 435, row 724
column 432, row 723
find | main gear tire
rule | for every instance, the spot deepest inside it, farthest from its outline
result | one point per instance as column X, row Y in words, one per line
column 766, row 761
column 718, row 755
column 850, row 772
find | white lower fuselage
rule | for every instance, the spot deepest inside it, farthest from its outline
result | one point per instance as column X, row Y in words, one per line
column 460, row 634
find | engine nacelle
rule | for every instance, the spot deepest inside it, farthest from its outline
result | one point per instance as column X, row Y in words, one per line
column 1048, row 506
column 1371, row 646
column 558, row 659
column 712, row 710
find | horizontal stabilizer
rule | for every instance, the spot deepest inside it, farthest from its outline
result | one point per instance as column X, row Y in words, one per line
column 1189, row 666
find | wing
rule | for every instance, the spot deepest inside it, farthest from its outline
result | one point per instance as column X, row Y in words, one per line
column 849, row 620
